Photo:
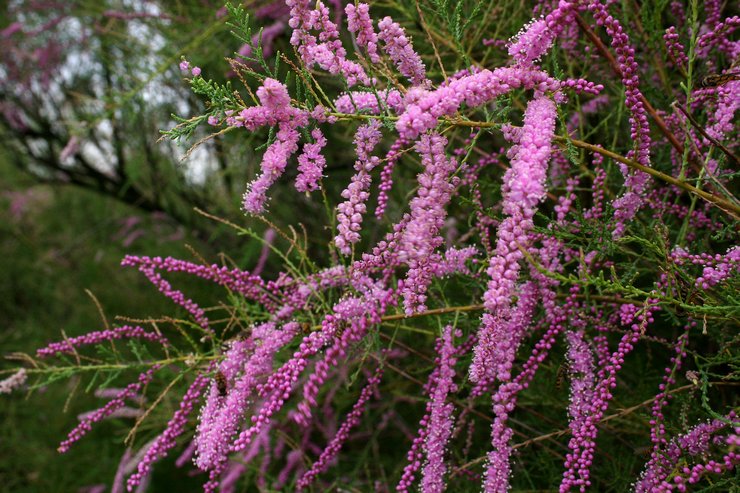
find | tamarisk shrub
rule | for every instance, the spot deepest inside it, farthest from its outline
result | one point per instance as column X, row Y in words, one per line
column 544, row 205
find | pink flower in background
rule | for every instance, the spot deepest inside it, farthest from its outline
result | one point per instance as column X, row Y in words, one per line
column 15, row 381
column 72, row 148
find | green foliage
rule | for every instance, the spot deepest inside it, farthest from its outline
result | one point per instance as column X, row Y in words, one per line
column 63, row 243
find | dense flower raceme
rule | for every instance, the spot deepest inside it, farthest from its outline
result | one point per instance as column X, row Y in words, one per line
column 544, row 275
column 350, row 212
column 428, row 211
column 440, row 419
column 434, row 427
column 311, row 164
column 523, row 189
column 400, row 50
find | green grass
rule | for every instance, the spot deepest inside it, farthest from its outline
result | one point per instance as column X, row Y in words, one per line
column 64, row 244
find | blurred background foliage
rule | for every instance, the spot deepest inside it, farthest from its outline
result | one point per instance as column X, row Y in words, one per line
column 85, row 88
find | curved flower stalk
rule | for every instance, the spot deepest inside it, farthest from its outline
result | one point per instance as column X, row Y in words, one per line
column 657, row 423
column 536, row 39
column 164, row 287
column 636, row 182
column 68, row 346
column 240, row 281
column 118, row 402
column 425, row 108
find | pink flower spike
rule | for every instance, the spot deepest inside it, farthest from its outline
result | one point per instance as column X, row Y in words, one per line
column 311, row 164
column 401, row 51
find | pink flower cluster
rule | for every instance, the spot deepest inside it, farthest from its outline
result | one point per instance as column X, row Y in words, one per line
column 421, row 236
column 536, row 261
column 131, row 389
column 275, row 110
column 15, row 381
column 401, row 51
column 166, row 440
column 360, row 24
column 311, row 164
column 350, row 212
column 522, row 190
column 327, row 52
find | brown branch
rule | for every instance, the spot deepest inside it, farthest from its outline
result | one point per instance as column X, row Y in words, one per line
column 705, row 134
column 604, row 51
column 559, row 433
column 720, row 202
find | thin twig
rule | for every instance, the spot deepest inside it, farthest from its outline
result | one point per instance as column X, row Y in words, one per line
column 100, row 308
column 705, row 134
column 720, row 202
column 141, row 419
